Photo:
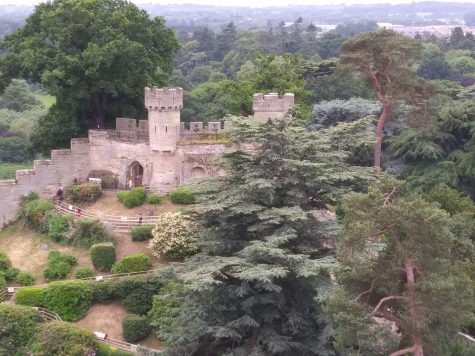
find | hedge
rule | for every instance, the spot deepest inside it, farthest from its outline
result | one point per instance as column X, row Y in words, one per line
column 135, row 328
column 29, row 296
column 136, row 292
column 103, row 256
column 182, row 196
column 132, row 198
column 106, row 350
column 3, row 282
column 82, row 193
column 142, row 233
column 58, row 338
column 18, row 325
column 69, row 299
column 133, row 263
column 59, row 265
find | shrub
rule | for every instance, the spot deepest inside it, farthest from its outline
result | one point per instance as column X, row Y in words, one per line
column 103, row 256
column 58, row 226
column 58, row 338
column 3, row 282
column 84, row 272
column 5, row 262
column 69, row 299
column 155, row 199
column 133, row 198
column 35, row 211
column 18, row 325
column 59, row 265
column 89, row 232
column 107, row 350
column 182, row 196
column 133, row 263
column 24, row 278
column 29, row 197
column 142, row 233
column 128, row 288
column 171, row 236
column 11, row 273
column 135, row 328
column 82, row 193
column 29, row 296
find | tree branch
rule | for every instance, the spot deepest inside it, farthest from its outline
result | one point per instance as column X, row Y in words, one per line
column 365, row 292
column 388, row 196
column 385, row 299
column 404, row 351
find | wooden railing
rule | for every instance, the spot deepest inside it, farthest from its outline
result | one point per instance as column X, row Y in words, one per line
column 48, row 315
column 124, row 223
column 117, row 275
column 467, row 338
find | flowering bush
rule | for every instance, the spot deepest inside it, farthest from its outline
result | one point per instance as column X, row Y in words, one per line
column 85, row 192
column 172, row 236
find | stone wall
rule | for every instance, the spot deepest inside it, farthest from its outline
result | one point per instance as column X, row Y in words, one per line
column 271, row 106
column 45, row 178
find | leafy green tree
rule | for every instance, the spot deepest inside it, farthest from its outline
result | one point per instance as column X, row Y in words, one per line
column 265, row 256
column 212, row 101
column 94, row 56
column 225, row 40
column 401, row 270
column 18, row 97
column 14, row 149
column 384, row 57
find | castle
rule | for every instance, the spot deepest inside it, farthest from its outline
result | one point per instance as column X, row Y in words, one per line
column 160, row 153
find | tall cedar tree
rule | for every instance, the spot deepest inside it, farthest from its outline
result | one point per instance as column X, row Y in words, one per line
column 265, row 256
column 94, row 56
column 404, row 264
column 384, row 57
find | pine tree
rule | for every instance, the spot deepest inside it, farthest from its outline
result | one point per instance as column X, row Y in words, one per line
column 266, row 249
column 403, row 280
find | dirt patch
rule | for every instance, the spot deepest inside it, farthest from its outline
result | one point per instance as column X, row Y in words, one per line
column 105, row 318
column 108, row 204
column 124, row 245
column 28, row 250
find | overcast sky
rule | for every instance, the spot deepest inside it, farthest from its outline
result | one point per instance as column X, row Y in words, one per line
column 252, row 3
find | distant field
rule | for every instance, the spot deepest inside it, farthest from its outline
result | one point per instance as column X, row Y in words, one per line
column 46, row 100
column 7, row 170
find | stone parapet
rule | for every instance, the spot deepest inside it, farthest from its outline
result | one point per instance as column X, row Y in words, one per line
column 164, row 99
column 271, row 105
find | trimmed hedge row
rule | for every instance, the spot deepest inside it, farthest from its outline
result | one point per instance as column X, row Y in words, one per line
column 182, row 196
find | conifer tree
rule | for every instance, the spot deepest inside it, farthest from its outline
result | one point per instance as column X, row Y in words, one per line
column 266, row 249
column 404, row 284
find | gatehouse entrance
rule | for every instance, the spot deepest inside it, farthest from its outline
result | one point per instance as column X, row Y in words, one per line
column 135, row 174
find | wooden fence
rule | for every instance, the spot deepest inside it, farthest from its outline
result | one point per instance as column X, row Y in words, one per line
column 467, row 338
column 120, row 223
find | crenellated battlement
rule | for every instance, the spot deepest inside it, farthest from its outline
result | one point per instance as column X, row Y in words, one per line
column 164, row 99
column 272, row 102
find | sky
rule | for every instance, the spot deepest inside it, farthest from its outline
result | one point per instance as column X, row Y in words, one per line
column 252, row 3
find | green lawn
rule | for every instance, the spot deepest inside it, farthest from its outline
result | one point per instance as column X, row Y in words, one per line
column 46, row 100
column 7, row 170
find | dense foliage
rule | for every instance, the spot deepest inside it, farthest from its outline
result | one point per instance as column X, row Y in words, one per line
column 103, row 256
column 18, row 325
column 30, row 296
column 173, row 236
column 137, row 262
column 59, row 265
column 182, row 196
column 142, row 232
column 69, row 299
column 83, row 193
column 135, row 328
column 133, row 197
column 34, row 211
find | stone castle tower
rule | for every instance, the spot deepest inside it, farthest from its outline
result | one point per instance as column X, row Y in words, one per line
column 164, row 106
column 270, row 106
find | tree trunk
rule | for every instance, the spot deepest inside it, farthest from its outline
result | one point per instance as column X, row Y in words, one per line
column 379, row 134
column 413, row 310
column 99, row 116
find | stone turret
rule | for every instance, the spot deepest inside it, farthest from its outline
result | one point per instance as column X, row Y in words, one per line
column 271, row 106
column 164, row 106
